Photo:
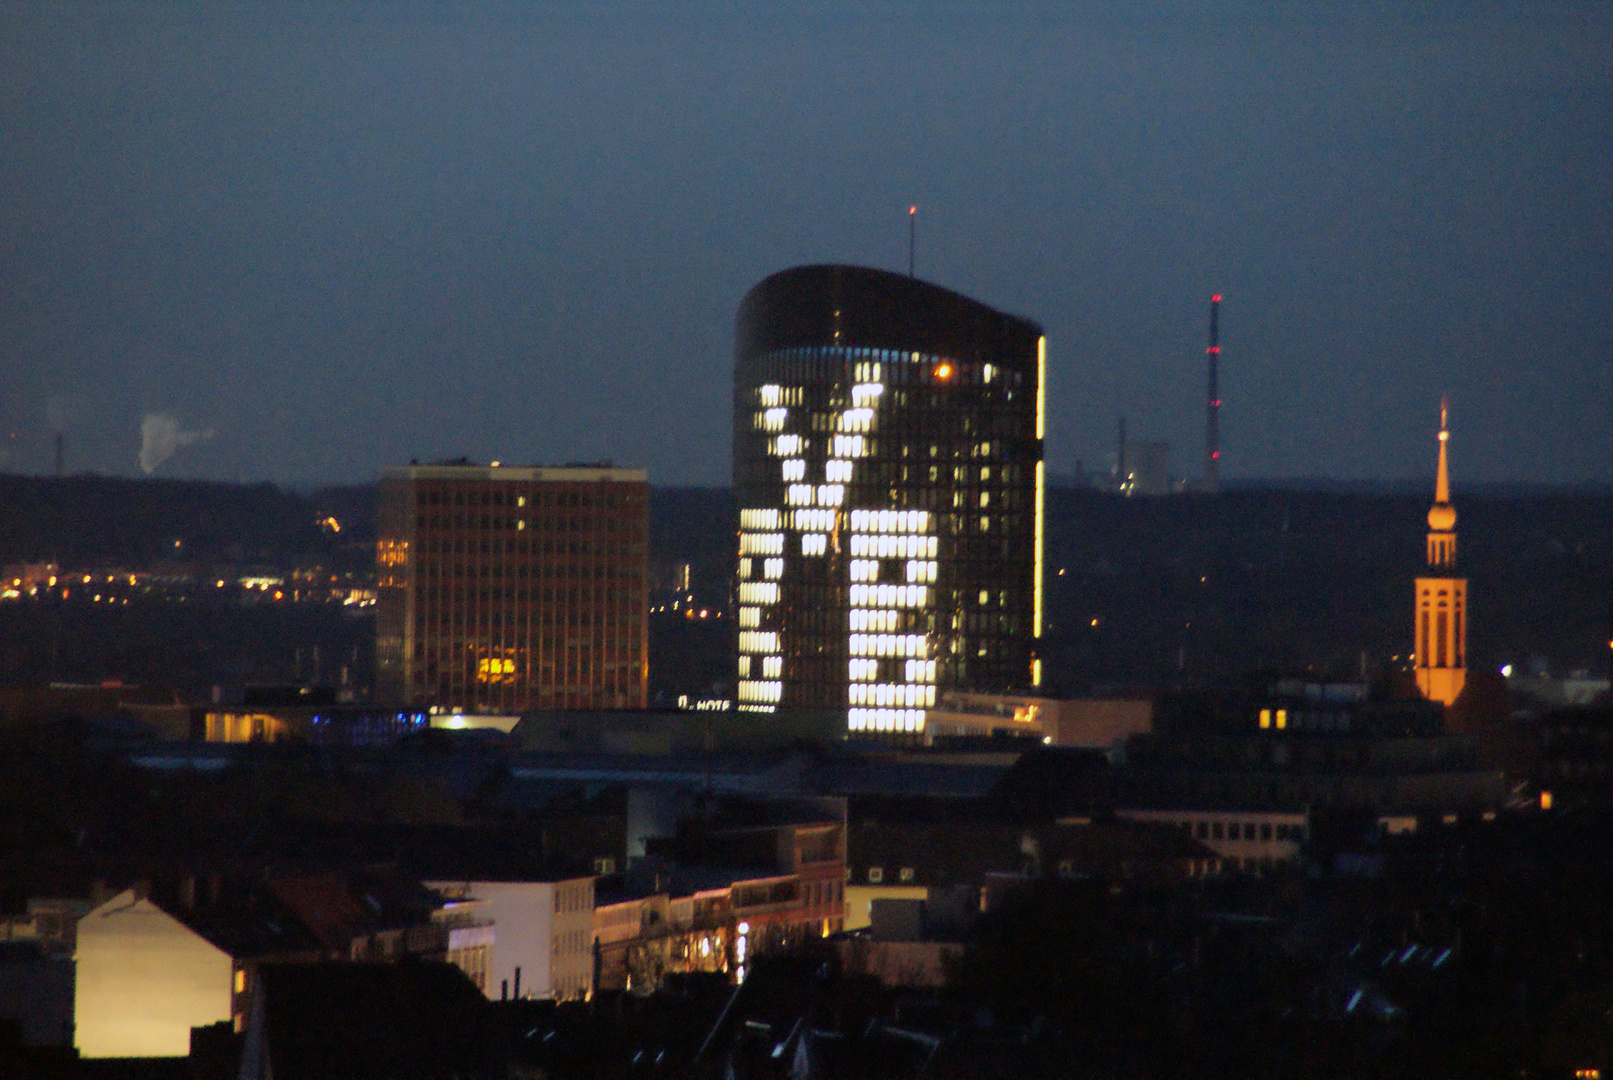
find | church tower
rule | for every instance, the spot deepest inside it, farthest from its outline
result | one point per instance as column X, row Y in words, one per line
column 1441, row 619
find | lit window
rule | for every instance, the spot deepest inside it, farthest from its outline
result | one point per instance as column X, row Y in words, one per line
column 773, row 569
column 876, row 874
column 760, row 520
column 761, row 543
column 758, row 641
column 750, row 617
column 772, row 419
column 769, row 394
column 794, row 469
column 849, row 446
column 852, row 420
column 905, row 874
column 758, row 592
column 798, row 495
column 831, row 494
column 814, row 544
column 1265, row 718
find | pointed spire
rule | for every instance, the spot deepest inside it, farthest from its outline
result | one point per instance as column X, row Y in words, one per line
column 1442, row 486
column 1442, row 515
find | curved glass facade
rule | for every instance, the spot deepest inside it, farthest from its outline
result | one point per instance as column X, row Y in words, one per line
column 888, row 467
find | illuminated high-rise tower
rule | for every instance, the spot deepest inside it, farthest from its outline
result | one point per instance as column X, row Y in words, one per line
column 1441, row 619
column 888, row 469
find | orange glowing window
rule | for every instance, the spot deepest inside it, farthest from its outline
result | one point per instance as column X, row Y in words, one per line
column 943, row 371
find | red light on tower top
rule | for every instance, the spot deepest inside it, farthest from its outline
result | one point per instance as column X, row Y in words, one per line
column 1216, row 299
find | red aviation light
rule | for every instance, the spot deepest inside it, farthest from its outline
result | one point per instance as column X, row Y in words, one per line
column 1216, row 299
column 1214, row 349
column 1215, row 453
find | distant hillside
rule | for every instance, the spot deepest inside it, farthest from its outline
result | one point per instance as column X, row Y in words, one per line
column 81, row 521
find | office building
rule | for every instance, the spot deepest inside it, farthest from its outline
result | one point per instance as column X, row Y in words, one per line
column 1441, row 618
column 888, row 469
column 505, row 589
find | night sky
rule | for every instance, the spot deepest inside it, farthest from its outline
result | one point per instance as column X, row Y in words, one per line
column 298, row 242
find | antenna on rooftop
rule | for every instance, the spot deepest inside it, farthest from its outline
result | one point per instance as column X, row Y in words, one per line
column 1212, row 408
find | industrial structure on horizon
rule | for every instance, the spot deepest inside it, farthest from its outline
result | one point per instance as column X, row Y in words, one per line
column 1212, row 408
column 888, row 470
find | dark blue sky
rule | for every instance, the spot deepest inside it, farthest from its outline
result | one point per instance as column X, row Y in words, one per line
column 321, row 238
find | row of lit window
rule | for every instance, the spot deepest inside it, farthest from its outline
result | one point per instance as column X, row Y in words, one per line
column 894, row 547
column 891, row 521
column 821, row 495
column 772, row 667
column 752, row 543
column 890, row 596
column 758, row 592
column 759, row 519
column 918, row 570
column 874, row 620
column 814, row 544
column 771, row 419
column 865, row 393
column 885, row 719
column 772, row 569
column 758, row 641
column 910, row 696
column 757, row 690
column 750, row 618
column 915, row 645
column 837, row 471
column 786, row 445
column 772, row 394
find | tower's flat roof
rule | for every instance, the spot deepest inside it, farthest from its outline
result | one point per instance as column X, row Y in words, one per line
column 525, row 474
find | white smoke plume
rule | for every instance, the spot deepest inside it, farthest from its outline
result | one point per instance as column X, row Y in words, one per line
column 160, row 436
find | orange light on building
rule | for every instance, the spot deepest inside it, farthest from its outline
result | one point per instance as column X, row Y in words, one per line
column 943, row 371
column 1545, row 800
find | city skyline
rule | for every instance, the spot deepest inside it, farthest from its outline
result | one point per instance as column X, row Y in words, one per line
column 239, row 243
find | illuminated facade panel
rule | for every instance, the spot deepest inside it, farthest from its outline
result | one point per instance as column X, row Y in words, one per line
column 506, row 589
column 891, row 432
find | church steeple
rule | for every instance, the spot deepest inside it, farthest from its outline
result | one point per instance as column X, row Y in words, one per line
column 1442, row 515
column 1441, row 615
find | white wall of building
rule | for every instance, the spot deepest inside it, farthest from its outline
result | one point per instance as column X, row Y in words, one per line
column 144, row 980
column 544, row 929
